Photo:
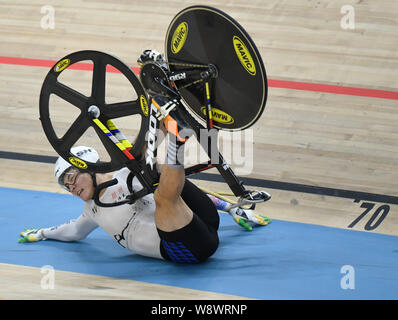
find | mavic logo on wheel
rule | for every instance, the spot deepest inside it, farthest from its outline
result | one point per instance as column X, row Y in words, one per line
column 144, row 105
column 219, row 115
column 179, row 37
column 78, row 163
column 63, row 64
column 244, row 56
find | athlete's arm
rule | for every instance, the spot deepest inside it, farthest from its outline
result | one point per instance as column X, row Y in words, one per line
column 72, row 230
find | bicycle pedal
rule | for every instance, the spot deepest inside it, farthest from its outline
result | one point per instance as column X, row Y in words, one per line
column 254, row 196
column 164, row 110
column 151, row 55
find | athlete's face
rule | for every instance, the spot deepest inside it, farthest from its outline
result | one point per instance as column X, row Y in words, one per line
column 79, row 184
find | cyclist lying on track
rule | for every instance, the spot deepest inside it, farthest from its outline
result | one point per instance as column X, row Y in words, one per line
column 178, row 222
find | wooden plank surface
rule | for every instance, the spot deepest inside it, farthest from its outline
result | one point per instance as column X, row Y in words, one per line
column 77, row 286
column 304, row 137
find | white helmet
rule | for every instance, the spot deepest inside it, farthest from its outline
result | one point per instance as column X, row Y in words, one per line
column 84, row 153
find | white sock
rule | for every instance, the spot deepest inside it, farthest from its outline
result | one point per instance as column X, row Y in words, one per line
column 175, row 153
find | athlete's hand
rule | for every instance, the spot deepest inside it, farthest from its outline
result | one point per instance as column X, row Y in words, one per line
column 31, row 235
column 243, row 217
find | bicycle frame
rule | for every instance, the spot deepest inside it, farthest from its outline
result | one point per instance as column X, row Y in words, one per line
column 147, row 173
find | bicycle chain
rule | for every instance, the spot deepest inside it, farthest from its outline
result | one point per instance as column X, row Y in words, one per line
column 187, row 65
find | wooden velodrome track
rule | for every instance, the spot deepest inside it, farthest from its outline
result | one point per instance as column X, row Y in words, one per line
column 326, row 143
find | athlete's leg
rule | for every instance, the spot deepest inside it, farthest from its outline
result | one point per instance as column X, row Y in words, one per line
column 172, row 213
column 185, row 237
column 201, row 204
column 187, row 228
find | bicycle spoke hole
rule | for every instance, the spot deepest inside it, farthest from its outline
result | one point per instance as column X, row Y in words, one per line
column 117, row 87
column 78, row 77
column 62, row 114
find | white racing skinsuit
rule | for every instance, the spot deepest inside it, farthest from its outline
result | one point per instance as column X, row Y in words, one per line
column 132, row 226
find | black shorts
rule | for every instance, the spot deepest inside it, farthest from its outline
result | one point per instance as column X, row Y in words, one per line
column 198, row 240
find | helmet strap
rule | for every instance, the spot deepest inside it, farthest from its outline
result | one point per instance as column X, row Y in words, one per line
column 94, row 178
